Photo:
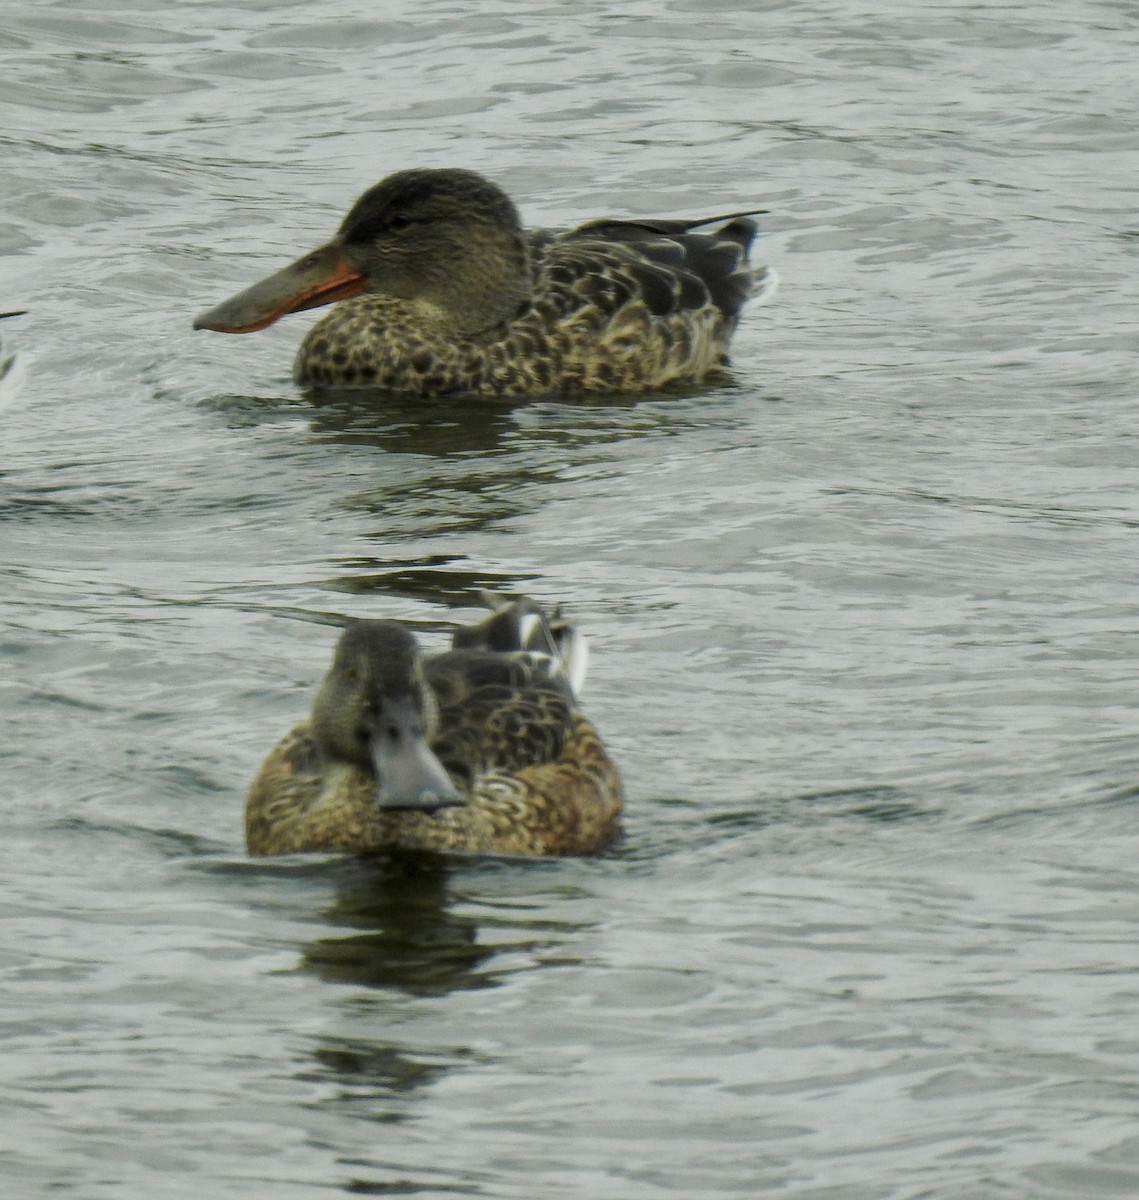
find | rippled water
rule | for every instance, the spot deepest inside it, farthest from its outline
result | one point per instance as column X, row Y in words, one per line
column 863, row 621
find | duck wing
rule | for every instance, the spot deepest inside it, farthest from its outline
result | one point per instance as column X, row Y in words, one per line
column 499, row 713
column 667, row 264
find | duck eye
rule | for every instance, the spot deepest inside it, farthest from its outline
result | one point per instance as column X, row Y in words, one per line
column 398, row 221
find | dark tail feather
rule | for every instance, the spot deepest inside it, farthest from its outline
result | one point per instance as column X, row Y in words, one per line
column 715, row 260
column 737, row 227
column 520, row 624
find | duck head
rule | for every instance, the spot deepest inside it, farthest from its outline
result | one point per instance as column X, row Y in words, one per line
column 448, row 239
column 375, row 709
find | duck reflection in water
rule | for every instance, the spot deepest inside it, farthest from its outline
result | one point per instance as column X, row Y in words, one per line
column 463, row 468
column 408, row 938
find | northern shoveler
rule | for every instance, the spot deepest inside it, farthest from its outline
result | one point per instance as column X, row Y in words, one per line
column 442, row 292
column 482, row 748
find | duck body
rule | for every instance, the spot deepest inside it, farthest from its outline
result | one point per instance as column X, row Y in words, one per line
column 441, row 292
column 491, row 752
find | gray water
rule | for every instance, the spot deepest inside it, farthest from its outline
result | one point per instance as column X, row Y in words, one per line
column 863, row 619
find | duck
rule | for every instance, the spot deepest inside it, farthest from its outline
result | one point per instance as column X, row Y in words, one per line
column 439, row 291
column 480, row 749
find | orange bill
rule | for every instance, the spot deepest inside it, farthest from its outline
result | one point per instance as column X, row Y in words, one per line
column 322, row 277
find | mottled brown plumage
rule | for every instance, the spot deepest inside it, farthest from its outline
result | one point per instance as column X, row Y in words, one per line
column 526, row 772
column 443, row 293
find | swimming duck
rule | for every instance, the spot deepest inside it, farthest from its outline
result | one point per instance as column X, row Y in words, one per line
column 442, row 293
column 481, row 748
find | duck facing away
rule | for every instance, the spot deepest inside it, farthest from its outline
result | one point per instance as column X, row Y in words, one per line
column 480, row 749
column 442, row 293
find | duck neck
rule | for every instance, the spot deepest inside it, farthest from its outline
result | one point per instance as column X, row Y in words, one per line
column 485, row 286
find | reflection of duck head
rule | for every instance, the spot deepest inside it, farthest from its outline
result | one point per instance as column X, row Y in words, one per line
column 469, row 466
column 441, row 292
column 482, row 749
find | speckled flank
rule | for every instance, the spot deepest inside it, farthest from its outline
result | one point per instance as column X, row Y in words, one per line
column 569, row 806
column 563, row 342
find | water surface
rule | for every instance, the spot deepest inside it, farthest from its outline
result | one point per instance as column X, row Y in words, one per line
column 862, row 619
